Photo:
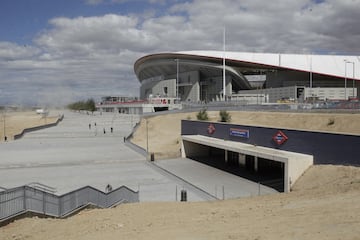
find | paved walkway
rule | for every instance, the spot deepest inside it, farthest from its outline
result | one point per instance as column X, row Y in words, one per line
column 220, row 184
column 72, row 155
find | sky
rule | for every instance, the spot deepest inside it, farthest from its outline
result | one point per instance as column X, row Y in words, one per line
column 55, row 52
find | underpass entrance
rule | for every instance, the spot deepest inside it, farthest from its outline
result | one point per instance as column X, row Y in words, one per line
column 271, row 167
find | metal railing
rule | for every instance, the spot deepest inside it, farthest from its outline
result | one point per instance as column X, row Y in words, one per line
column 41, row 186
column 20, row 200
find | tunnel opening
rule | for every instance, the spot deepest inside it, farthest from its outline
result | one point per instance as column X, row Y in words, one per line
column 261, row 170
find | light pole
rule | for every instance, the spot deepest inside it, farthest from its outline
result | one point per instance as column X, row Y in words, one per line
column 4, row 125
column 177, row 79
column 345, row 61
column 224, row 74
column 353, row 82
column 147, row 137
column 311, row 74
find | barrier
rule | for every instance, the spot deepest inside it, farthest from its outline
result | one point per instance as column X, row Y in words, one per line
column 27, row 130
column 327, row 148
column 25, row 199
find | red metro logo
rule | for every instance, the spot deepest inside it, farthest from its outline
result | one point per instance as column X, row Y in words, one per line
column 211, row 129
column 280, row 138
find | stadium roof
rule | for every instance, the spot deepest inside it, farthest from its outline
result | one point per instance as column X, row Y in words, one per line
column 239, row 63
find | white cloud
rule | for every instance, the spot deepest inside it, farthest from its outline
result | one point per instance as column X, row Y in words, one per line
column 94, row 56
column 93, row 2
column 10, row 51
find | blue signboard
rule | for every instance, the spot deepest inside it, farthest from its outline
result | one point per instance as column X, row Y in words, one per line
column 239, row 133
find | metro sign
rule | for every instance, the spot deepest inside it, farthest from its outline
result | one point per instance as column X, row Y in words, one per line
column 280, row 138
column 211, row 128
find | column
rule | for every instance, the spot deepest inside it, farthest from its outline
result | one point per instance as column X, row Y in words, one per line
column 226, row 156
column 242, row 161
column 256, row 163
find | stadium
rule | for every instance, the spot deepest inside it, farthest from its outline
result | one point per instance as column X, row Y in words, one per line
column 202, row 76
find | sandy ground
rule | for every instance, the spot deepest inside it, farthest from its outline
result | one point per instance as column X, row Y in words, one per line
column 324, row 203
column 15, row 122
column 168, row 126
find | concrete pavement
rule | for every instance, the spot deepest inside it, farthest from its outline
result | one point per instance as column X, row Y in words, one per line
column 72, row 155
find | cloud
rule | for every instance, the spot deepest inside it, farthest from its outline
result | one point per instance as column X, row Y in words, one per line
column 93, row 2
column 85, row 57
column 10, row 51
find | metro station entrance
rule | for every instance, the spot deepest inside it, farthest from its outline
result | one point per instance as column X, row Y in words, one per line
column 264, row 171
column 276, row 168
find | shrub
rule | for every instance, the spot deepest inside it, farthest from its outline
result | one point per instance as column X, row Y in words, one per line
column 331, row 122
column 202, row 115
column 224, row 116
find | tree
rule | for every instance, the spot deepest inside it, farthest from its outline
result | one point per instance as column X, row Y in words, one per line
column 89, row 105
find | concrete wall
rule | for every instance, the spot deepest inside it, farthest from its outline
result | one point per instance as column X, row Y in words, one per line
column 212, row 90
column 27, row 130
column 295, row 164
column 190, row 149
column 157, row 88
column 330, row 93
column 272, row 95
column 275, row 94
column 295, row 168
column 189, row 87
column 326, row 148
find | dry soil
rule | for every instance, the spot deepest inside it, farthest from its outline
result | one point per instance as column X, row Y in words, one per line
column 324, row 203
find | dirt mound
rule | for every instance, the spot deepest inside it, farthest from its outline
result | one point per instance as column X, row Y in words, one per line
column 328, row 179
column 324, row 205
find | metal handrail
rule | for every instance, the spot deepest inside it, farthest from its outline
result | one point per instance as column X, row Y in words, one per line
column 41, row 186
column 28, row 199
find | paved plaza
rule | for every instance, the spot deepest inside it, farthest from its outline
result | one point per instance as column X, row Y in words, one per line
column 74, row 154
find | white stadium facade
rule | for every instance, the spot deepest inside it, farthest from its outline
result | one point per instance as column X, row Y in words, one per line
column 202, row 76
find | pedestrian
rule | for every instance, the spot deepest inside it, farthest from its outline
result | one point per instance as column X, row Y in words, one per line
column 89, row 125
column 104, row 131
column 108, row 188
column 111, row 129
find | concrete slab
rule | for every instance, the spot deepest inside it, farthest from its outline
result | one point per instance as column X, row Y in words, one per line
column 220, row 184
column 71, row 156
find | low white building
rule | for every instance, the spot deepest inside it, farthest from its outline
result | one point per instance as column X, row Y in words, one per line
column 134, row 106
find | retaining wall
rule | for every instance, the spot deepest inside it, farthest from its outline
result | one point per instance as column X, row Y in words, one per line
column 327, row 148
column 27, row 130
